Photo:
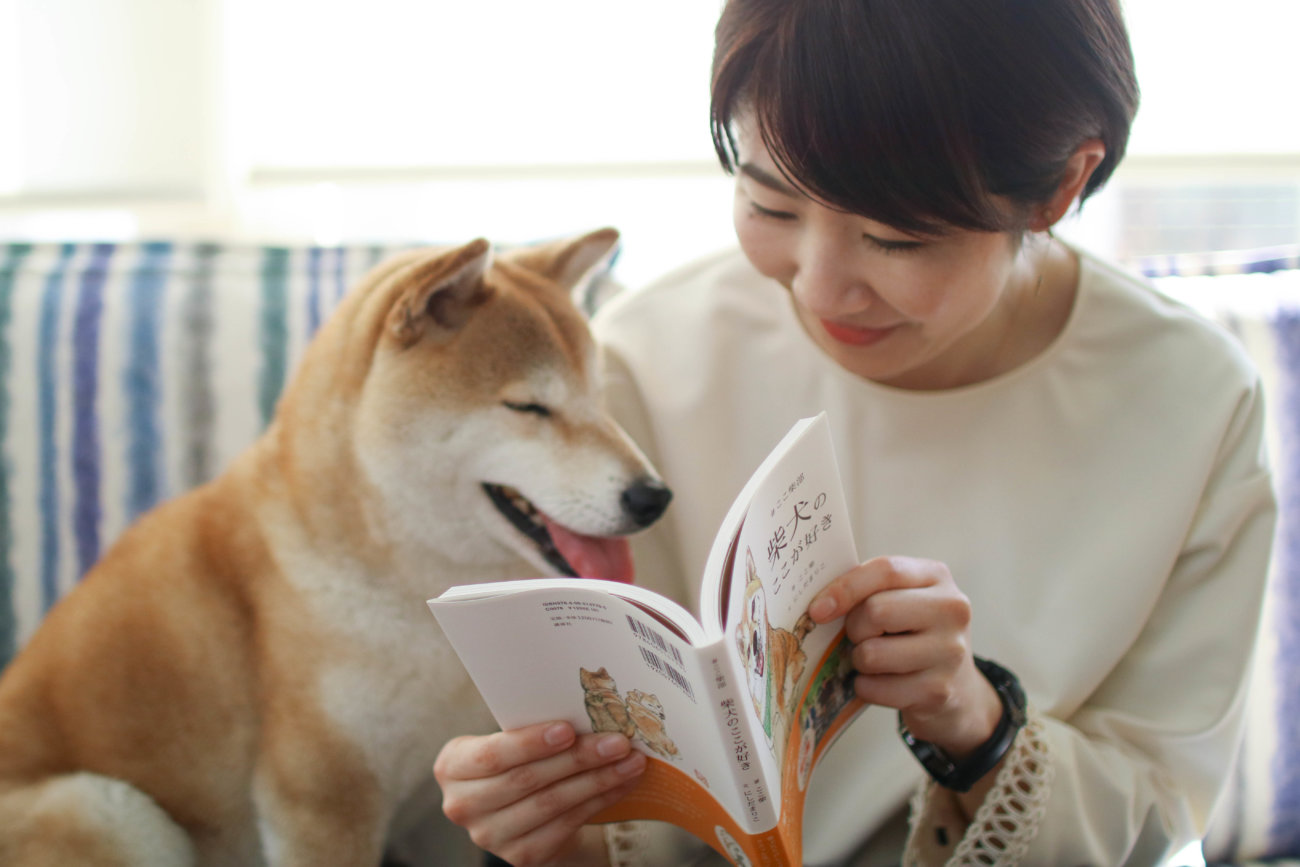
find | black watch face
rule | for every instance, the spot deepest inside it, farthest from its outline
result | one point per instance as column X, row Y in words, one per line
column 1007, row 685
column 1016, row 711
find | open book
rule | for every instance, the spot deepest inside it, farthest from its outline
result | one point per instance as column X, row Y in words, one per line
column 733, row 710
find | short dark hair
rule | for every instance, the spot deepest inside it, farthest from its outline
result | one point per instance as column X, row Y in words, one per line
column 916, row 113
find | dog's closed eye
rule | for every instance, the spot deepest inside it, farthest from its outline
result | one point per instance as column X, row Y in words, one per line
column 532, row 408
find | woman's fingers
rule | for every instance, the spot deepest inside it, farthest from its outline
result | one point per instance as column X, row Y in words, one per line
column 921, row 692
column 525, row 794
column 936, row 607
column 560, row 837
column 547, row 817
column 481, row 757
column 910, row 653
column 497, row 771
column 909, row 624
column 871, row 578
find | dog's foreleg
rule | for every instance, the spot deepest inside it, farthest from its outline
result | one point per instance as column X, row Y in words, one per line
column 298, row 834
column 87, row 819
column 320, row 815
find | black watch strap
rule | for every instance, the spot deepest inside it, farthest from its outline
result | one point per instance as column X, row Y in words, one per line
column 960, row 776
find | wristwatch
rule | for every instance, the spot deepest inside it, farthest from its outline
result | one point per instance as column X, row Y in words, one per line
column 961, row 776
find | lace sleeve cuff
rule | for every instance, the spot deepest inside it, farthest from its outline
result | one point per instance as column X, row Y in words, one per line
column 1005, row 822
column 653, row 844
column 627, row 843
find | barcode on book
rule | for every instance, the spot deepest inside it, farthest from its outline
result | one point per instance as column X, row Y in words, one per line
column 650, row 635
column 656, row 662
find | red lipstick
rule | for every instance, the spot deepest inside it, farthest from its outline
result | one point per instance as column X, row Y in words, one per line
column 853, row 336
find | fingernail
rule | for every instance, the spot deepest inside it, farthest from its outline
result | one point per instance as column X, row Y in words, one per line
column 611, row 746
column 556, row 735
column 821, row 608
column 631, row 765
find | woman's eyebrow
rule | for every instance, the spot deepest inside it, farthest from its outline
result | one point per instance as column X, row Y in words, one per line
column 769, row 180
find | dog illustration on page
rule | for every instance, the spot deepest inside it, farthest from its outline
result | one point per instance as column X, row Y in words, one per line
column 640, row 716
column 648, row 714
column 773, row 657
column 605, row 707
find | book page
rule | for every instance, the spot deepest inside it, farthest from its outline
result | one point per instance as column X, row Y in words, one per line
column 566, row 649
column 793, row 536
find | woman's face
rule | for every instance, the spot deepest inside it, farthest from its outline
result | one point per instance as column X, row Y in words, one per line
column 915, row 312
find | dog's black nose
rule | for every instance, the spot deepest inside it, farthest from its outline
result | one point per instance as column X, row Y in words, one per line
column 645, row 500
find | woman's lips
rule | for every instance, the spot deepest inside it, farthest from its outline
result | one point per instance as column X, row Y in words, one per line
column 854, row 336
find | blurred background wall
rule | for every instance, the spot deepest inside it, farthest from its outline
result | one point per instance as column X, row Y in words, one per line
column 397, row 120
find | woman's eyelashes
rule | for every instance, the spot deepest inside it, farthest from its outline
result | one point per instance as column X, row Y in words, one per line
column 885, row 245
column 769, row 213
column 888, row 245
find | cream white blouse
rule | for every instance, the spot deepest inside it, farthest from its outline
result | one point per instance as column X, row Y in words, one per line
column 1106, row 507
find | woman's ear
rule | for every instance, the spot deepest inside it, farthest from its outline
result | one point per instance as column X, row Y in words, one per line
column 1082, row 163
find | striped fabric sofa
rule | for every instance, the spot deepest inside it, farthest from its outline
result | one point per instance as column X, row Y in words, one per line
column 132, row 372
column 1256, row 295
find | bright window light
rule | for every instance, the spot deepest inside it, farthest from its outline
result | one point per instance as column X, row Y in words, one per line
column 1216, row 78
column 395, row 83
column 11, row 155
column 1189, row 856
column 396, row 120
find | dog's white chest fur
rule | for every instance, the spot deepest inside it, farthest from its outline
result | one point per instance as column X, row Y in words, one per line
column 392, row 686
column 395, row 687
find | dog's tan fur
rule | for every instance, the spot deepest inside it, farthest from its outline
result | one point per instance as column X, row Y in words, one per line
column 647, row 714
column 605, row 707
column 781, row 649
column 250, row 675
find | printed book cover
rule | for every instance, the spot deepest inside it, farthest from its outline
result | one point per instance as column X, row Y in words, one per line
column 732, row 709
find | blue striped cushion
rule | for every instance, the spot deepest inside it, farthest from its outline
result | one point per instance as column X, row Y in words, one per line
column 1222, row 263
column 1257, row 296
column 130, row 373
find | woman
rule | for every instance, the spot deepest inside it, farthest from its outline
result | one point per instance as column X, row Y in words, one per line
column 1055, row 468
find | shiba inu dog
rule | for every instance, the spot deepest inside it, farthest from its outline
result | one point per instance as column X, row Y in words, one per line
column 605, row 707
column 250, row 675
column 648, row 716
column 774, row 657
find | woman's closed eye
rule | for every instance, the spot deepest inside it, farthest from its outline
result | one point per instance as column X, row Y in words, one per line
column 892, row 245
column 770, row 214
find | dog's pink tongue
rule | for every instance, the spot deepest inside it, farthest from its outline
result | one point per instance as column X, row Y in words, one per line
column 594, row 556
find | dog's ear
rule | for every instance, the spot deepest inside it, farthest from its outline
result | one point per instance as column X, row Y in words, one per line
column 441, row 293
column 574, row 263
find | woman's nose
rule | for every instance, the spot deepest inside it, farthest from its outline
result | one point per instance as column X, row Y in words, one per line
column 829, row 280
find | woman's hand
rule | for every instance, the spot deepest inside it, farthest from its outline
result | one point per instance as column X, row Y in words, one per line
column 910, row 628
column 525, row 795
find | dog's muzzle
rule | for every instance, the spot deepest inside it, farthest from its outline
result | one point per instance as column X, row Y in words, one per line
column 645, row 500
